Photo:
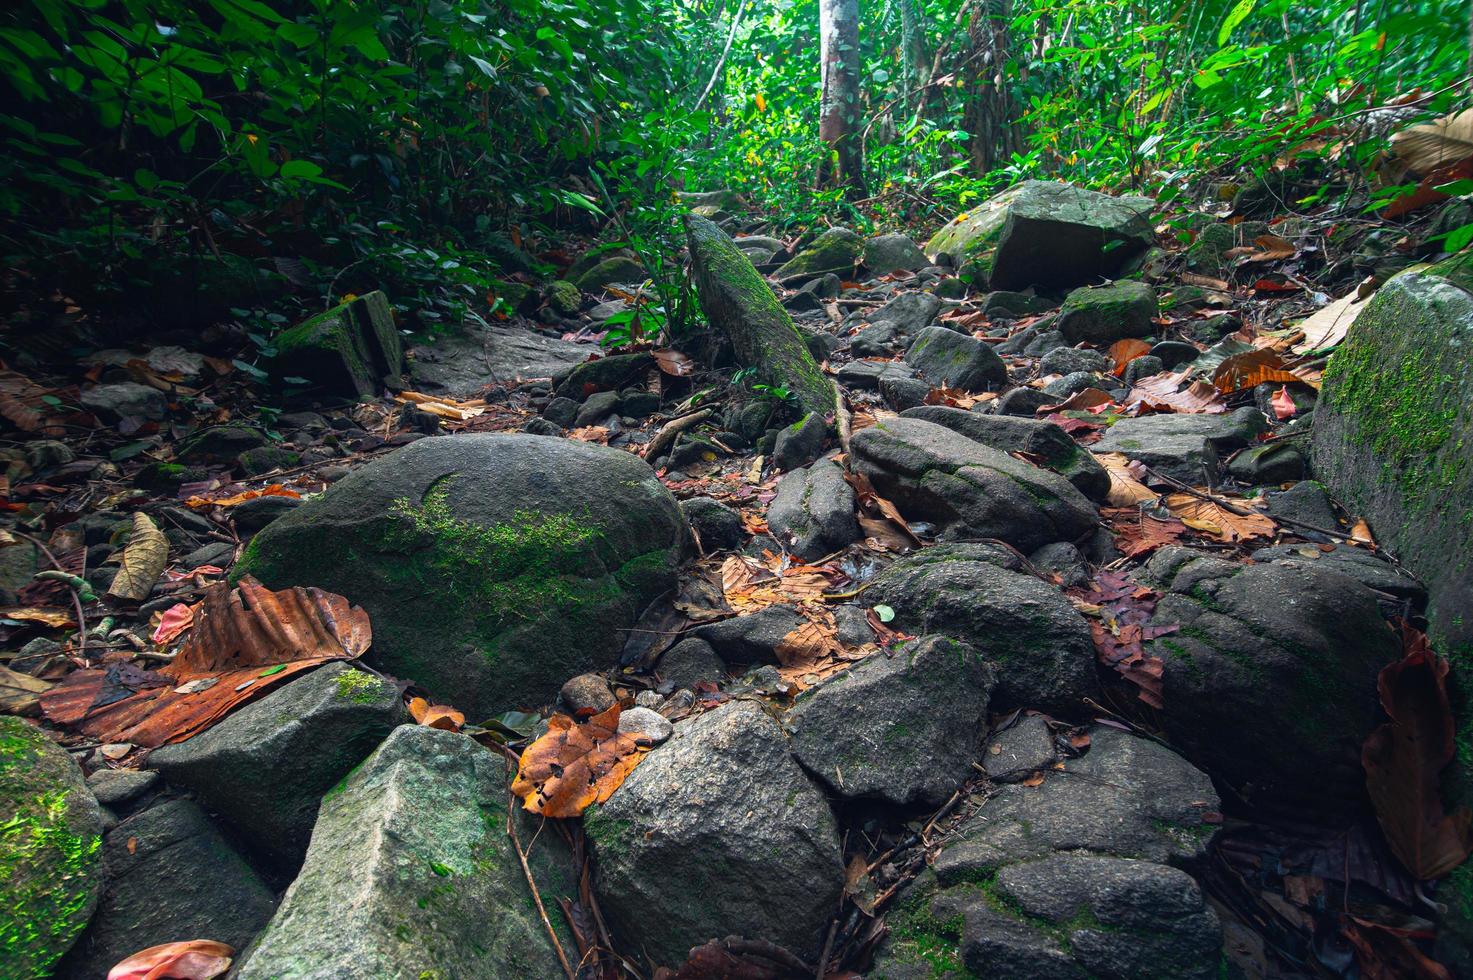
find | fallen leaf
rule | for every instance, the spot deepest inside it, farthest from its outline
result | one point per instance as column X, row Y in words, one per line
column 1122, row 352
column 1283, row 404
column 172, row 623
column 445, row 408
column 673, row 362
column 144, row 558
column 1161, row 390
column 274, row 490
column 1080, row 401
column 574, row 766
column 1217, row 520
column 1125, row 489
column 195, row 959
column 20, row 693
column 55, row 618
column 1250, row 369
column 1436, row 144
column 1271, row 248
column 438, row 716
column 1360, row 533
column 1404, row 759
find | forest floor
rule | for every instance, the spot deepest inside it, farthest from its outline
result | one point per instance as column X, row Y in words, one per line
column 138, row 476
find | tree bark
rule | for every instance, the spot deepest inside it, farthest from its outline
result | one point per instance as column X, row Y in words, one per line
column 987, row 116
column 913, row 58
column 838, row 111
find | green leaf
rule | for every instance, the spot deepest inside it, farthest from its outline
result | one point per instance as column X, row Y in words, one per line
column 885, row 613
column 1457, row 188
column 300, row 169
column 272, row 670
column 1236, row 16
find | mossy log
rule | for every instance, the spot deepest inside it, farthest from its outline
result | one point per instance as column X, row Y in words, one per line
column 739, row 302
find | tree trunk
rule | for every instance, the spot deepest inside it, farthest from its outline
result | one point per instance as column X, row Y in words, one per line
column 913, row 57
column 838, row 110
column 987, row 115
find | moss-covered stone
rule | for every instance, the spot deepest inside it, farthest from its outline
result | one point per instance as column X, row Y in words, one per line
column 49, row 851
column 564, row 297
column 619, row 268
column 837, row 250
column 739, row 303
column 1106, row 314
column 353, row 347
column 264, row 459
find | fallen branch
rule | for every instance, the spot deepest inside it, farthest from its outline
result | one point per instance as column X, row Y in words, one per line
column 512, row 805
column 666, row 437
column 843, row 420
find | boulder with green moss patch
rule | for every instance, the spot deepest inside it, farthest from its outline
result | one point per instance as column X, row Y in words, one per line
column 352, row 348
column 837, row 250
column 494, row 567
column 1043, row 233
column 265, row 767
column 1104, row 314
column 49, row 851
column 740, row 304
column 411, row 874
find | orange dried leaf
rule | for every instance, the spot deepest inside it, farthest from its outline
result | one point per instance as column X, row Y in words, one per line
column 274, row 490
column 194, row 959
column 574, row 766
column 1122, row 352
column 1250, row 369
column 1212, row 518
column 1125, row 489
column 439, row 716
column 673, row 362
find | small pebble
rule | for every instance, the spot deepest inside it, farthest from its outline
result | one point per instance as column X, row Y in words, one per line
column 644, row 723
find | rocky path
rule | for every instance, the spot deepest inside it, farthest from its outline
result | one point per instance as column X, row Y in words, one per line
column 958, row 610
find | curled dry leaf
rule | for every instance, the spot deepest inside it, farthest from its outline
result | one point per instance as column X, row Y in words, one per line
column 1126, row 490
column 1436, row 144
column 673, row 362
column 1160, row 392
column 274, row 490
column 44, row 615
column 144, row 558
column 445, row 408
column 1250, row 369
column 194, row 959
column 1122, row 352
column 439, row 716
column 172, row 623
column 575, row 766
column 1213, row 518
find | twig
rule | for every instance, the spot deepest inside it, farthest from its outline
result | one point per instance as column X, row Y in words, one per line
column 667, row 435
column 843, row 419
column 828, row 949
column 731, row 36
column 511, row 829
column 76, row 597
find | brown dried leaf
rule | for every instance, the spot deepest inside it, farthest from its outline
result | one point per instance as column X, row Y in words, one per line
column 1160, row 390
column 1250, row 369
column 1214, row 519
column 1122, row 352
column 575, row 766
column 20, row 693
column 144, row 558
column 194, row 959
column 1436, row 144
column 673, row 362
column 1125, row 489
column 56, row 618
column 439, row 716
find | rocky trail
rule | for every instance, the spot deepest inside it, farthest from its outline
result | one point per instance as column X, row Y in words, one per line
column 1048, row 600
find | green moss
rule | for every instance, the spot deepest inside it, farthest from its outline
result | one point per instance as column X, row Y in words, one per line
column 360, row 688
column 917, row 936
column 611, row 837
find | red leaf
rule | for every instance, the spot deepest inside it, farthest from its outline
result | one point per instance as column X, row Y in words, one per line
column 195, row 959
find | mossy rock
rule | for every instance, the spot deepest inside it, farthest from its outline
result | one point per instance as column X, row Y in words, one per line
column 604, row 374
column 611, row 270
column 837, row 250
column 1105, row 314
column 350, row 348
column 493, row 567
column 254, row 462
column 49, row 851
column 564, row 297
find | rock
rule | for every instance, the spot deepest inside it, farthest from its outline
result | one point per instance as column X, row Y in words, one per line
column 265, row 767
column 800, row 443
column 908, row 313
column 125, row 400
column 752, row 637
column 1208, row 254
column 1393, row 439
column 168, row 477
column 170, row 876
column 639, row 404
column 1067, row 360
column 49, row 850
column 1041, row 233
column 1040, row 645
column 417, row 836
column 561, row 411
column 585, row 695
column 1045, row 440
column 542, row 427
column 1305, row 503
column 1073, row 384
column 813, row 512
column 766, row 242
column 1005, row 303
column 251, row 516
column 1070, row 878
column 605, row 374
column 740, row 304
column 1017, row 752
column 718, row 832
column 950, row 287
column 1273, row 462
column 564, row 297
column 494, row 567
column 1141, row 368
column 1175, row 353
column 718, row 526
column 1371, row 570
column 954, row 360
column 691, row 662
column 934, row 474
column 903, row 393
column 115, row 787
column 219, row 443
column 837, row 250
column 868, row 375
column 1064, row 560
column 1022, row 402
column 720, row 199
column 1104, row 314
column 264, row 459
column 1294, row 635
column 885, row 254
column 460, row 364
column 616, row 269
column 596, row 408
column 876, row 340
column 352, row 348
column 1182, row 446
column 903, row 726
column 645, row 724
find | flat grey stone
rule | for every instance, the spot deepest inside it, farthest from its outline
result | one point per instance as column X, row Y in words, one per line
column 1014, row 753
column 1182, row 446
column 813, row 512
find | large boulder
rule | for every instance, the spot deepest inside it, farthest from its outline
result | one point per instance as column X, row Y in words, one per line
column 740, row 304
column 460, row 364
column 494, row 567
column 1036, row 437
column 1298, row 636
column 1041, row 233
column 1105, row 314
column 416, row 837
column 813, row 512
column 1040, row 645
column 974, row 491
column 265, row 767
column 1393, row 435
column 171, row 875
column 885, row 254
column 1186, row 447
column 717, row 833
column 1071, row 878
column 352, row 348
column 956, row 360
column 903, row 726
column 49, row 851
column 837, row 250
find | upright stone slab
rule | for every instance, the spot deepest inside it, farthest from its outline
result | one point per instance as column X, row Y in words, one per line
column 739, row 303
column 494, row 567
column 1043, row 233
column 411, row 874
column 353, row 347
